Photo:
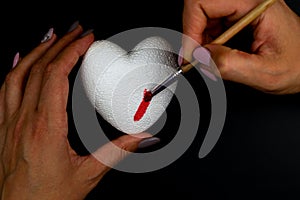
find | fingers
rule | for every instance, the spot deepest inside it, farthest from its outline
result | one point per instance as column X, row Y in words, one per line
column 194, row 23
column 107, row 156
column 16, row 79
column 272, row 65
column 55, row 86
column 268, row 72
column 38, row 70
column 203, row 19
column 238, row 66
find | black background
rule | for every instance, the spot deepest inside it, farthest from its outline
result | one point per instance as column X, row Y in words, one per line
column 258, row 154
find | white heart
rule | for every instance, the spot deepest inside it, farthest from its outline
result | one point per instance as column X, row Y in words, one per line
column 115, row 80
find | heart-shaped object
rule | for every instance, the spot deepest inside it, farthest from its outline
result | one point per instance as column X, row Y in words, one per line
column 115, row 81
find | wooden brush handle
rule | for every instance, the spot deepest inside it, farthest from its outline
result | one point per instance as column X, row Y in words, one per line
column 237, row 27
column 243, row 22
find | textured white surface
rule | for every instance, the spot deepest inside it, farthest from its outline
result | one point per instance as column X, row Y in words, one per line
column 115, row 80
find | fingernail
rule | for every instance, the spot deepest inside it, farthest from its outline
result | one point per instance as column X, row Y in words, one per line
column 209, row 74
column 73, row 26
column 48, row 36
column 180, row 56
column 86, row 32
column 16, row 60
column 203, row 56
column 147, row 142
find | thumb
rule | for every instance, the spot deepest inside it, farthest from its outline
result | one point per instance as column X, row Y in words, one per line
column 103, row 159
column 235, row 65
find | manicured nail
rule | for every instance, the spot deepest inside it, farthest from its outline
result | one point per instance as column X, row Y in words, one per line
column 48, row 36
column 16, row 60
column 209, row 74
column 180, row 56
column 73, row 26
column 203, row 56
column 147, row 142
column 86, row 32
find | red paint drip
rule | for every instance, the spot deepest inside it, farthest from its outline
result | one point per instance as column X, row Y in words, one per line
column 143, row 106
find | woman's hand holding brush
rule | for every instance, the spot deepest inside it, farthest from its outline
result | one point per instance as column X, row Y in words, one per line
column 272, row 65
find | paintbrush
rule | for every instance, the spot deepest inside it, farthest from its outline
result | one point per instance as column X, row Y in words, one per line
column 232, row 31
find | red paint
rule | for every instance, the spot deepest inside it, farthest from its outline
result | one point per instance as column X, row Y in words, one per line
column 143, row 105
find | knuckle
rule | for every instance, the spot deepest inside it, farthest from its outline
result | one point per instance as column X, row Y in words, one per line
column 126, row 143
column 53, row 68
column 37, row 67
column 49, row 68
column 224, row 60
column 224, row 67
column 124, row 147
column 12, row 78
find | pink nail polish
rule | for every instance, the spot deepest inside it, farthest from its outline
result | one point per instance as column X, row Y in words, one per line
column 180, row 56
column 209, row 74
column 203, row 56
column 16, row 60
column 48, row 36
